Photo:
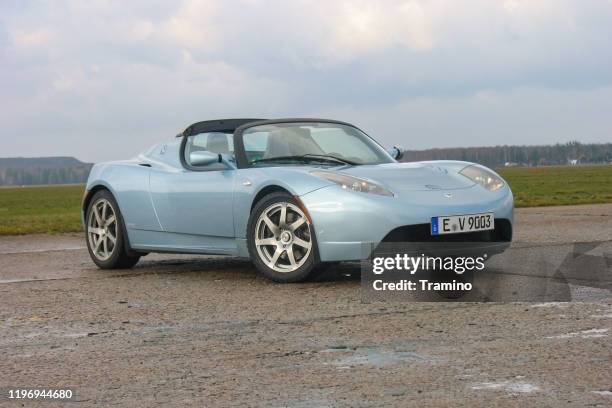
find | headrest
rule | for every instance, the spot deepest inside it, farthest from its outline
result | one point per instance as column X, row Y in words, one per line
column 217, row 143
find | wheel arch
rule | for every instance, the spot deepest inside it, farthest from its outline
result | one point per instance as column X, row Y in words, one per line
column 88, row 196
column 259, row 203
column 269, row 189
column 276, row 188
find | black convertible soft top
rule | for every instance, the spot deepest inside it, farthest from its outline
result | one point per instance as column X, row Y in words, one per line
column 218, row 125
column 230, row 125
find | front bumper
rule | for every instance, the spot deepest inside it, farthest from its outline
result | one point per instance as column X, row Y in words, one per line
column 348, row 223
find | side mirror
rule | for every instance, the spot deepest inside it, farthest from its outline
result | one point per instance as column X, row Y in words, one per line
column 396, row 152
column 203, row 158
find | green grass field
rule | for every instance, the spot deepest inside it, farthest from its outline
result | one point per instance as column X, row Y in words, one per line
column 55, row 209
column 48, row 209
column 540, row 186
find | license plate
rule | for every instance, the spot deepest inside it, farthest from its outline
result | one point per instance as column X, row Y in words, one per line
column 456, row 224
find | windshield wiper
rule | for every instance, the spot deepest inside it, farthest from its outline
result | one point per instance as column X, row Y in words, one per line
column 329, row 157
column 306, row 158
column 278, row 158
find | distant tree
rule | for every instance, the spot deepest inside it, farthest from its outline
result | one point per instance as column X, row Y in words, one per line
column 495, row 156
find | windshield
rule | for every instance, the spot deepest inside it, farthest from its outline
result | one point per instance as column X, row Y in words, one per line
column 310, row 143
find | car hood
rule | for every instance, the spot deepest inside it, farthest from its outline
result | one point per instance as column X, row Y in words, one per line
column 418, row 176
column 396, row 177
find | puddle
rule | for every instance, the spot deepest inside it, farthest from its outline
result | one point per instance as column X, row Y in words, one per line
column 507, row 386
column 585, row 334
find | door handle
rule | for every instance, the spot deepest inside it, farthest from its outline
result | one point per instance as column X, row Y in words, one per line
column 247, row 183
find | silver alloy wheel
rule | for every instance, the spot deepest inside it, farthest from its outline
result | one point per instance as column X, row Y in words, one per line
column 282, row 237
column 102, row 229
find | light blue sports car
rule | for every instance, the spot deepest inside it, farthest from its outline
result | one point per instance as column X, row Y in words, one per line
column 291, row 194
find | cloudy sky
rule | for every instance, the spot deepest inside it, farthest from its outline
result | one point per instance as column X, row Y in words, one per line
column 102, row 79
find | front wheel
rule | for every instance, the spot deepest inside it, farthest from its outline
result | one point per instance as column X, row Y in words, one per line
column 281, row 239
column 105, row 233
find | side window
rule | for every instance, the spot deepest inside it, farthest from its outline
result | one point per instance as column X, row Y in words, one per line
column 214, row 142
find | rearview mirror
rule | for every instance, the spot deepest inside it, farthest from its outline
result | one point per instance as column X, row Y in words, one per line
column 203, row 158
column 396, row 152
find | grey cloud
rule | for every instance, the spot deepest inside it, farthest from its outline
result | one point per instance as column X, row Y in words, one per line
column 103, row 79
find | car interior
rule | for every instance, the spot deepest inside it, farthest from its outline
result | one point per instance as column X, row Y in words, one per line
column 299, row 143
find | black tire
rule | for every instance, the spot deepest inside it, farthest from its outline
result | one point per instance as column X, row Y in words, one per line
column 118, row 256
column 310, row 260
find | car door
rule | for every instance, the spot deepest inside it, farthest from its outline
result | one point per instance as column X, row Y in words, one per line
column 194, row 203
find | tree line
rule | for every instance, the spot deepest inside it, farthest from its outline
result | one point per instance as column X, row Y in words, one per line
column 34, row 176
column 499, row 156
column 61, row 170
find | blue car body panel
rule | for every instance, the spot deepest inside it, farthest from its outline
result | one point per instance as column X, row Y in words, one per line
column 168, row 208
column 344, row 223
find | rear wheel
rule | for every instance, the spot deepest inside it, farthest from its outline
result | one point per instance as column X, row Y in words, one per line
column 281, row 239
column 105, row 233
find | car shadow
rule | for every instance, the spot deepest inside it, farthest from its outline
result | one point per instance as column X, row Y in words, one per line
column 337, row 272
column 240, row 268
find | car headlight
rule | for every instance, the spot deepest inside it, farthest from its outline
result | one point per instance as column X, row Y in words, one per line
column 353, row 183
column 483, row 176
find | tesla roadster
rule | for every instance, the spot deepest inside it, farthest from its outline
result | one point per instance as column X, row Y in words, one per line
column 291, row 194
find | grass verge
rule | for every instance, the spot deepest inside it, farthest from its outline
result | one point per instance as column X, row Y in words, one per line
column 568, row 185
column 47, row 209
column 56, row 209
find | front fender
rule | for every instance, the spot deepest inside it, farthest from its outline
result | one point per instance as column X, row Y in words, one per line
column 250, row 182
